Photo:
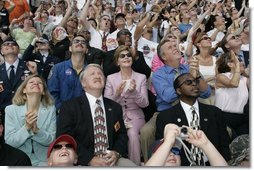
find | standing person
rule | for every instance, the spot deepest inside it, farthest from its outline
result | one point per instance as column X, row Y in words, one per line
column 12, row 73
column 128, row 88
column 20, row 11
column 30, row 122
column 209, row 118
column 42, row 56
column 79, row 118
column 63, row 151
column 63, row 82
column 207, row 63
column 10, row 156
column 139, row 65
column 231, row 93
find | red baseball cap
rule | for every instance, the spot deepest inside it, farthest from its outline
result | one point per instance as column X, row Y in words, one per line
column 64, row 137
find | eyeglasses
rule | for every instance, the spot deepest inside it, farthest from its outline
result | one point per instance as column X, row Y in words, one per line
column 205, row 38
column 175, row 151
column 76, row 41
column 123, row 55
column 9, row 44
column 234, row 37
column 60, row 146
column 189, row 82
column 173, row 11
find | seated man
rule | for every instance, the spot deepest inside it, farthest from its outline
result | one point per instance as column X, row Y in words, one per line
column 63, row 151
column 190, row 112
column 95, row 122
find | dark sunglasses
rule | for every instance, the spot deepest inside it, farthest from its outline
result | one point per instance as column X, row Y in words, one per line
column 234, row 37
column 76, row 41
column 175, row 151
column 60, row 146
column 205, row 38
column 123, row 55
column 9, row 44
column 189, row 82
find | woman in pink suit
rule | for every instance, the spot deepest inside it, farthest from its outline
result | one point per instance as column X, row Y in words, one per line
column 129, row 89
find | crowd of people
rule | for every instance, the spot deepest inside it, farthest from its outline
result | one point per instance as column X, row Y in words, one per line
column 124, row 83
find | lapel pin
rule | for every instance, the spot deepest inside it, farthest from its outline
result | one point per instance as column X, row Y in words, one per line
column 205, row 119
column 109, row 109
column 179, row 120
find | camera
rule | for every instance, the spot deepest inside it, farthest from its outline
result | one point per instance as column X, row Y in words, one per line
column 184, row 133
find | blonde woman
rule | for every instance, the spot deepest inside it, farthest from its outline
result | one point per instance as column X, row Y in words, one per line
column 30, row 122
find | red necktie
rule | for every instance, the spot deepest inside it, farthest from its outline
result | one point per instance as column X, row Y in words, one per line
column 104, row 39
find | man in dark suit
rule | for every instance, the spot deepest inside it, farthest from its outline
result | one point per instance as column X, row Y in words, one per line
column 77, row 118
column 8, row 85
column 211, row 121
column 139, row 64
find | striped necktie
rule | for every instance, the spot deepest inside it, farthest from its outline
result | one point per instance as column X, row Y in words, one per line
column 100, row 137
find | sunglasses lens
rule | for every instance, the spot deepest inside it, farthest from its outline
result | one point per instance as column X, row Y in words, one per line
column 175, row 151
column 69, row 146
column 57, row 147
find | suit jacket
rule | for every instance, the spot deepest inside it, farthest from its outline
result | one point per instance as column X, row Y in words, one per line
column 211, row 122
column 17, row 135
column 42, row 67
column 9, row 90
column 139, row 65
column 75, row 119
column 132, row 102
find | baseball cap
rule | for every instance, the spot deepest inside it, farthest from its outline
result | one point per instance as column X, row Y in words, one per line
column 154, row 147
column 10, row 39
column 43, row 39
column 239, row 149
column 123, row 32
column 64, row 137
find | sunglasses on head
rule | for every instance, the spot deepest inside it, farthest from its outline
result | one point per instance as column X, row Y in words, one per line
column 175, row 151
column 76, row 41
column 60, row 146
column 9, row 44
column 189, row 82
column 125, row 55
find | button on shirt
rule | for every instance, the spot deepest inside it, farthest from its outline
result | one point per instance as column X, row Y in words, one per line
column 188, row 110
column 93, row 105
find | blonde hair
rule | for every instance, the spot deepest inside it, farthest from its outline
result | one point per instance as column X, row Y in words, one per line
column 20, row 97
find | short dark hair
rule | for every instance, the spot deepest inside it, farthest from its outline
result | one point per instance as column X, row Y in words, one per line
column 80, row 35
column 222, row 63
column 177, row 80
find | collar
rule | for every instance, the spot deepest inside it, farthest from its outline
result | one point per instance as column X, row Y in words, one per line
column 187, row 107
column 15, row 64
column 92, row 99
column 44, row 53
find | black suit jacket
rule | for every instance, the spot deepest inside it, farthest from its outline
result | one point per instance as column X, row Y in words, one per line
column 42, row 67
column 9, row 90
column 75, row 119
column 139, row 65
column 211, row 122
